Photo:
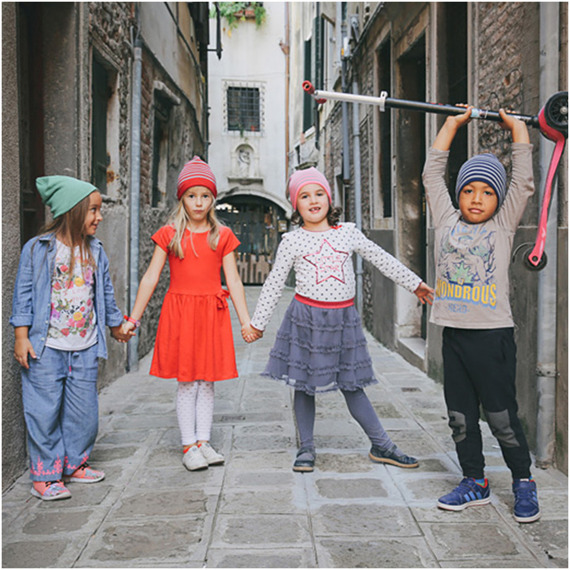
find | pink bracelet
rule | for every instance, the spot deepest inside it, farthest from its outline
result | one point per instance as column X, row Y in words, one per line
column 131, row 320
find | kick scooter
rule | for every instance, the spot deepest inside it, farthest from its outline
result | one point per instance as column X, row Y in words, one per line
column 552, row 120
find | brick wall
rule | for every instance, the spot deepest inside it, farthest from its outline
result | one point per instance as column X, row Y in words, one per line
column 185, row 142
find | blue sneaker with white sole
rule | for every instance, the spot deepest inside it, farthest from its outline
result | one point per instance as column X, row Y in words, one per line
column 526, row 501
column 467, row 494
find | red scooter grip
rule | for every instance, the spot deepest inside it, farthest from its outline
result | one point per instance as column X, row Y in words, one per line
column 308, row 87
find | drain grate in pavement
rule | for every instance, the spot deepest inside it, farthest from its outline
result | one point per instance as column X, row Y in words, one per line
column 410, row 389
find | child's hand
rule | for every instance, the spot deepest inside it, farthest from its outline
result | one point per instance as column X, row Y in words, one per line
column 517, row 127
column 22, row 348
column 250, row 334
column 120, row 334
column 459, row 120
column 449, row 129
column 424, row 293
column 128, row 328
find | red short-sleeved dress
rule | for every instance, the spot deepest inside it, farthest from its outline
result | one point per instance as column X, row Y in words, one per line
column 194, row 339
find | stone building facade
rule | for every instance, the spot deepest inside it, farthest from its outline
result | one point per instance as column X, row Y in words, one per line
column 491, row 55
column 69, row 90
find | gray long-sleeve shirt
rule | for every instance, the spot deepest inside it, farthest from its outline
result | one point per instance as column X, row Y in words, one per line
column 472, row 260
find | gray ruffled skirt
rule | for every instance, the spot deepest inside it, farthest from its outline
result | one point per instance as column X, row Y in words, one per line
column 320, row 350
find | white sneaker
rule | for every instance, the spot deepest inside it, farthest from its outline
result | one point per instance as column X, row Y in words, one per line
column 210, row 454
column 193, row 459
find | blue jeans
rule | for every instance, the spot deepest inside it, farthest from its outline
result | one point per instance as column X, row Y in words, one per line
column 61, row 410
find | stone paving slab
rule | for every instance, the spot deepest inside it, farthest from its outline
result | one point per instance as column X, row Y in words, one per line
column 262, row 558
column 253, row 511
column 372, row 552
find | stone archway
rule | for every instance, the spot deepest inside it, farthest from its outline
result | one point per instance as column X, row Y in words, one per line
column 258, row 223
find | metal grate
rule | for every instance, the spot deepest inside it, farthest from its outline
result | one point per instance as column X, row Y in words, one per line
column 243, row 109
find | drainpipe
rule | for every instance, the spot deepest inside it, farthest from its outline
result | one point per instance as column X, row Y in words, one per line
column 357, row 191
column 546, row 332
column 343, row 56
column 287, row 52
column 357, row 174
column 133, row 348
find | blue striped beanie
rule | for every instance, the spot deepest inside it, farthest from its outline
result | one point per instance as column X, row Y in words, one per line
column 485, row 168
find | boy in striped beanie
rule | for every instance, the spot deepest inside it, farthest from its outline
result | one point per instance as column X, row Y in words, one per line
column 473, row 253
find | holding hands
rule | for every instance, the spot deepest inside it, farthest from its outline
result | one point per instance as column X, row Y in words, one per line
column 424, row 293
column 250, row 334
column 121, row 333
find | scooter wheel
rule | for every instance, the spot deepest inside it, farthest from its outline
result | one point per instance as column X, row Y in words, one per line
column 556, row 112
column 539, row 266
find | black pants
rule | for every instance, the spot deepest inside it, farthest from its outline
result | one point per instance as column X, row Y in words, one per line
column 479, row 370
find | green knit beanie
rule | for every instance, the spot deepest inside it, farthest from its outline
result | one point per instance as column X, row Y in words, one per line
column 61, row 193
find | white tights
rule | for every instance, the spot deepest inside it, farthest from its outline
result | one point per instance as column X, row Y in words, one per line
column 195, row 410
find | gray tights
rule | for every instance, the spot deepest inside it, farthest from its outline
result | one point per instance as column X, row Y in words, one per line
column 359, row 407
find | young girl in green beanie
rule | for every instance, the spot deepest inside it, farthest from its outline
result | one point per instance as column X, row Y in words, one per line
column 63, row 299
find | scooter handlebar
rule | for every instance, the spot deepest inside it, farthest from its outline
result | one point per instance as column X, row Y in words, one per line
column 388, row 102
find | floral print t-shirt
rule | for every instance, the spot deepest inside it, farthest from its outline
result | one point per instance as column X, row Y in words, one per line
column 72, row 323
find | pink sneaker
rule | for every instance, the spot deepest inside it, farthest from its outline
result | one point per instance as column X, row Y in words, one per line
column 84, row 474
column 50, row 490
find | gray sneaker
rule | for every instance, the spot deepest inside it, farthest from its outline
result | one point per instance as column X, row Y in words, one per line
column 210, row 454
column 193, row 459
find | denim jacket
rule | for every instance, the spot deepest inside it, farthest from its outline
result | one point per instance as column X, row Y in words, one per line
column 31, row 306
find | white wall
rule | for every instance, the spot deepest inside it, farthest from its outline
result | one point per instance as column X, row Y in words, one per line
column 159, row 28
column 252, row 57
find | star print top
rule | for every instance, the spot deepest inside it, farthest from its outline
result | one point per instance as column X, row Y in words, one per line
column 472, row 260
column 323, row 267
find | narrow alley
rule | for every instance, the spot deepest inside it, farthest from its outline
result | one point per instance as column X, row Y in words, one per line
column 254, row 512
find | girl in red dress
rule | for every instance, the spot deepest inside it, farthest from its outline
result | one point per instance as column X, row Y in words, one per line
column 194, row 341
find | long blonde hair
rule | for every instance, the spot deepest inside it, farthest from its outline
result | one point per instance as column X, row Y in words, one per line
column 70, row 228
column 181, row 220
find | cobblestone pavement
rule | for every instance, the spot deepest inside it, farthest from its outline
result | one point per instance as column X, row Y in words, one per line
column 254, row 512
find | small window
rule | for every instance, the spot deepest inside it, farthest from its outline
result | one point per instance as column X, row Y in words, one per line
column 105, row 126
column 99, row 157
column 160, row 157
column 243, row 109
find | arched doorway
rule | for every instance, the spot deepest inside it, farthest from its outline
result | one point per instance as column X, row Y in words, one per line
column 258, row 223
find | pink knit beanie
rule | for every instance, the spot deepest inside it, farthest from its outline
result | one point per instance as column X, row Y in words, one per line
column 196, row 173
column 302, row 178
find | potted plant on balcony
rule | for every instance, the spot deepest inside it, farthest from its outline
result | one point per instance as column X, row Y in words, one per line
column 235, row 12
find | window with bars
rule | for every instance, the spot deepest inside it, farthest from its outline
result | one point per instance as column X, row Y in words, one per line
column 244, row 109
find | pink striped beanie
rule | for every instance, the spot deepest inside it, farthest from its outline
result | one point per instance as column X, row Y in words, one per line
column 302, row 178
column 196, row 173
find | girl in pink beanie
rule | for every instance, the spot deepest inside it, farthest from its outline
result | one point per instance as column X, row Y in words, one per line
column 320, row 345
